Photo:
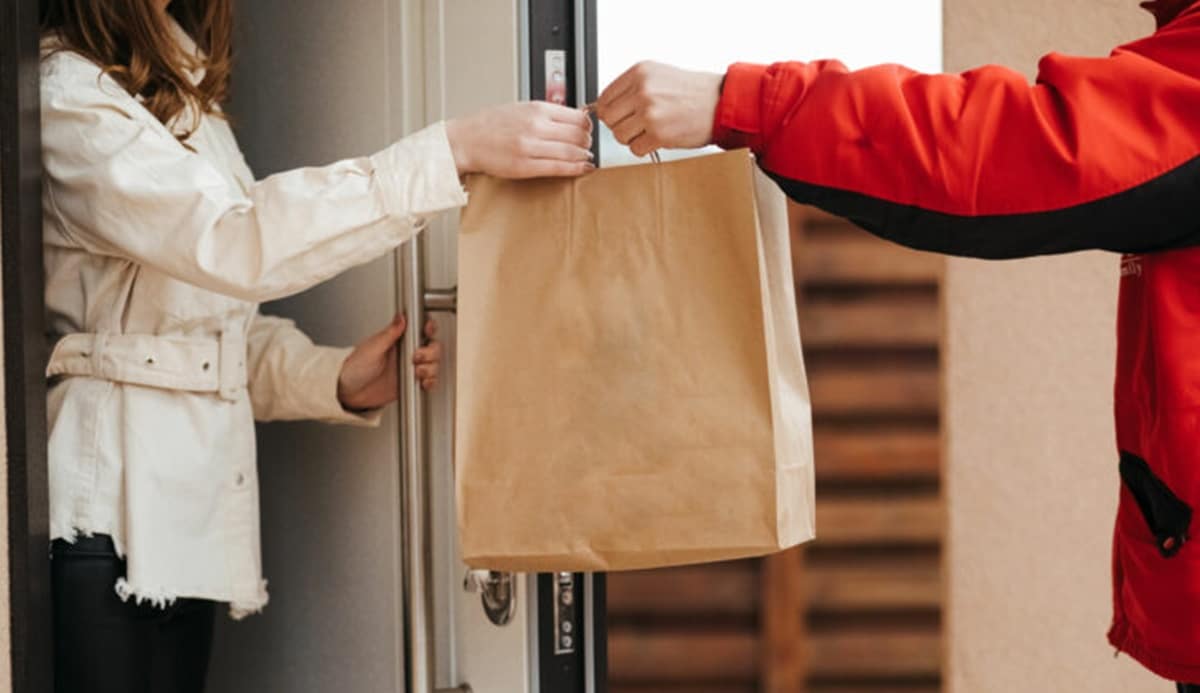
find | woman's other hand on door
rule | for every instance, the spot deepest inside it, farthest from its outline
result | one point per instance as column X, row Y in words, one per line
column 368, row 378
column 654, row 106
column 523, row 140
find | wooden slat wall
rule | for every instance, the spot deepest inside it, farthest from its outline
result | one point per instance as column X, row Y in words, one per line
column 859, row 610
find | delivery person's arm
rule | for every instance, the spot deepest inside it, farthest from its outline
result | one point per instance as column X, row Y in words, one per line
column 1099, row 153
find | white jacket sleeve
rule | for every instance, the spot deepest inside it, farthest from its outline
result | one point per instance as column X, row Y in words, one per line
column 290, row 378
column 122, row 185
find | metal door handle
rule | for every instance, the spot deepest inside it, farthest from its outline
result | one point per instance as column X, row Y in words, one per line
column 441, row 300
column 416, row 563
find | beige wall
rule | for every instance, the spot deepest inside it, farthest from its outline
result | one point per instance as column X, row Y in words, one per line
column 1031, row 470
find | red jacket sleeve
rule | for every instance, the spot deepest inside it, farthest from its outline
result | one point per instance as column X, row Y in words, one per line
column 1099, row 153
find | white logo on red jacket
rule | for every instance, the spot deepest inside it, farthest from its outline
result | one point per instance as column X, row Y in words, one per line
column 1131, row 266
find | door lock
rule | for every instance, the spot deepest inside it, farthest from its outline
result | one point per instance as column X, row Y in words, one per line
column 497, row 592
column 565, row 609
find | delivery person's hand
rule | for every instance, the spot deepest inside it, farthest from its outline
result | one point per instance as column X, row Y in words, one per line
column 523, row 140
column 368, row 379
column 654, row 106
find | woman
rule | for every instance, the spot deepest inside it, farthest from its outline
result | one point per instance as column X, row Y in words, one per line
column 159, row 246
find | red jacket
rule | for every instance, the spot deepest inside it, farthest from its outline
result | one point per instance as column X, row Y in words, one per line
column 1099, row 153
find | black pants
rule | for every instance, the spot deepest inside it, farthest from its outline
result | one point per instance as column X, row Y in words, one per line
column 1188, row 688
column 104, row 645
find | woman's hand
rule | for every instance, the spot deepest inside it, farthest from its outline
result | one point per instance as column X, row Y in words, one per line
column 368, row 379
column 654, row 106
column 523, row 140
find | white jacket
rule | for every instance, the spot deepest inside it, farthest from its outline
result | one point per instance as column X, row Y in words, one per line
column 156, row 260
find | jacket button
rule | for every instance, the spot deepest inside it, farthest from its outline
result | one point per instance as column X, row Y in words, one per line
column 206, row 366
column 1169, row 544
column 239, row 480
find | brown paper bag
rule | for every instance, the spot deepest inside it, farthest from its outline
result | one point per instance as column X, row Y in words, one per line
column 631, row 392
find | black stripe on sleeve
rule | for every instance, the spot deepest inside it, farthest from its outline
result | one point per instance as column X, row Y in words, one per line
column 1161, row 214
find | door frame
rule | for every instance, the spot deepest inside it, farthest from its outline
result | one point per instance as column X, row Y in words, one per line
column 570, row 26
column 24, row 350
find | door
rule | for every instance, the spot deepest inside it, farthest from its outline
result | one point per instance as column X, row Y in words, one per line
column 26, row 666
column 317, row 81
column 368, row 593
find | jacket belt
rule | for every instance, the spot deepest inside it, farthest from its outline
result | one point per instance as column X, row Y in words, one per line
column 191, row 364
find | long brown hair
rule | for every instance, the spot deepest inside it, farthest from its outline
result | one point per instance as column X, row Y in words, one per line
column 132, row 40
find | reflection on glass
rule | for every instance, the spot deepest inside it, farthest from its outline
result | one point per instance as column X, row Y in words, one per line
column 712, row 34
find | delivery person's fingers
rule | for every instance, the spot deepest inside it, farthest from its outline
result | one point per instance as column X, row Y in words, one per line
column 675, row 107
column 629, row 129
column 620, row 110
column 628, row 81
column 644, row 145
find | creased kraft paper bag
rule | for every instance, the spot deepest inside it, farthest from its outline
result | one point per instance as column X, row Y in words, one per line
column 631, row 392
